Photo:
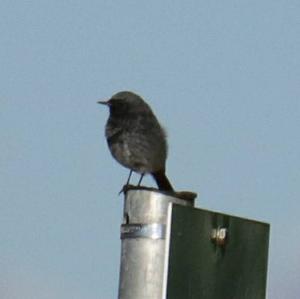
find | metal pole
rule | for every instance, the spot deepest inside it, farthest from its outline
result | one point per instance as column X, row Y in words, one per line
column 143, row 234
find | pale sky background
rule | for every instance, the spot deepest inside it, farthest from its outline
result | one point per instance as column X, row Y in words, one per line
column 223, row 78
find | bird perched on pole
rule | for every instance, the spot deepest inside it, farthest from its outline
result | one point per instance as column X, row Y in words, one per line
column 135, row 138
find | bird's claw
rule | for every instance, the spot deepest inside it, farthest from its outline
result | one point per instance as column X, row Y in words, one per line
column 124, row 189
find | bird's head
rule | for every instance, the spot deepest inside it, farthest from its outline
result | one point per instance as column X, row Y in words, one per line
column 125, row 102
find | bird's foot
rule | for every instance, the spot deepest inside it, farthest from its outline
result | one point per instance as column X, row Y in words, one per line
column 128, row 187
column 125, row 188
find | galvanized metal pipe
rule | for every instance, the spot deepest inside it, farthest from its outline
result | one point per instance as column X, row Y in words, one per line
column 144, row 245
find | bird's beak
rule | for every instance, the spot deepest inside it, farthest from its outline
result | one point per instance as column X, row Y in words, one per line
column 103, row 102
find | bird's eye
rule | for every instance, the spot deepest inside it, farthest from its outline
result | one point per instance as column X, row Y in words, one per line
column 119, row 103
column 116, row 100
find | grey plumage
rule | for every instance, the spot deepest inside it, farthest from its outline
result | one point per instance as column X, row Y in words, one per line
column 135, row 138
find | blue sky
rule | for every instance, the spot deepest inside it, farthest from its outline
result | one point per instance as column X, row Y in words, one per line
column 222, row 77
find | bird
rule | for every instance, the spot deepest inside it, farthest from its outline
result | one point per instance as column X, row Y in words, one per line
column 135, row 137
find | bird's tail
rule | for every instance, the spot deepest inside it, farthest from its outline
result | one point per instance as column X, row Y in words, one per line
column 162, row 181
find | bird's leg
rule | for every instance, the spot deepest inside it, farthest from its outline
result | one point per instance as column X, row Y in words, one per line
column 125, row 187
column 141, row 178
column 128, row 180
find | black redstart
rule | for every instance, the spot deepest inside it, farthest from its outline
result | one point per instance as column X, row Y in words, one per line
column 135, row 138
